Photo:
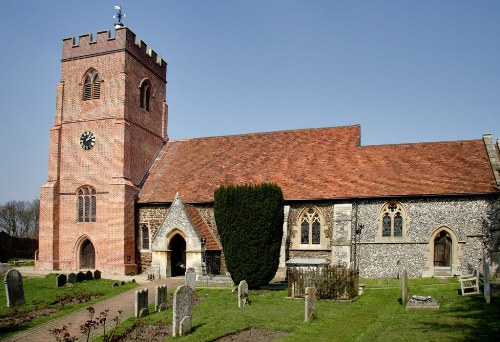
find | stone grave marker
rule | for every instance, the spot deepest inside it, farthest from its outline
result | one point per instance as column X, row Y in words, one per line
column 243, row 294
column 191, row 278
column 161, row 298
column 405, row 296
column 72, row 278
column 97, row 274
column 141, row 303
column 14, row 289
column 89, row 275
column 80, row 276
column 486, row 280
column 182, row 306
column 310, row 303
column 62, row 279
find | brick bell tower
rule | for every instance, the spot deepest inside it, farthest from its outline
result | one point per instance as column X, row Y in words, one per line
column 110, row 124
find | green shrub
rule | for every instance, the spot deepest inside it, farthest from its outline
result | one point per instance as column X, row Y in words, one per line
column 249, row 220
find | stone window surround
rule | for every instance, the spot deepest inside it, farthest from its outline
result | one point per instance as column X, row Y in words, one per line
column 141, row 237
column 296, row 244
column 401, row 209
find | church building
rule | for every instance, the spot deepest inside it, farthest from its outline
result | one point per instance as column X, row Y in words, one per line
column 123, row 198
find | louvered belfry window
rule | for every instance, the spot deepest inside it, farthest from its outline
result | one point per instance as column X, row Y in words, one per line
column 87, row 204
column 145, row 96
column 92, row 86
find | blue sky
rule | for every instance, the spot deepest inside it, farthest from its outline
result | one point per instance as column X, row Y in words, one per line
column 407, row 71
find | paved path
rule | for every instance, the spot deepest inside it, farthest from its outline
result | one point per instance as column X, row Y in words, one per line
column 123, row 302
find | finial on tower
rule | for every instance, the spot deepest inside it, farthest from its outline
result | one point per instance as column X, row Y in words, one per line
column 119, row 16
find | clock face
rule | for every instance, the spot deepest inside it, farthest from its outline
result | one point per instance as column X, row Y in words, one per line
column 87, row 140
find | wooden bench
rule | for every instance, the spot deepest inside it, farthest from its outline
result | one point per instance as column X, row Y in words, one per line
column 469, row 284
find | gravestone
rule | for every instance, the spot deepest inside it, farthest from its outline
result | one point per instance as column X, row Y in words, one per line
column 310, row 303
column 62, row 279
column 191, row 278
column 404, row 288
column 141, row 303
column 161, row 298
column 97, row 274
column 486, row 280
column 182, row 306
column 72, row 278
column 89, row 276
column 243, row 294
column 80, row 276
column 14, row 289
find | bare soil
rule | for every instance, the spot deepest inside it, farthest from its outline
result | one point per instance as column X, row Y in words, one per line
column 253, row 334
column 20, row 318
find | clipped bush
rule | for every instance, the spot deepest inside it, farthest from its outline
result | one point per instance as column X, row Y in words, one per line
column 249, row 220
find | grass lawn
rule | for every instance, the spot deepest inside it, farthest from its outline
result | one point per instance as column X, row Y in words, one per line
column 42, row 293
column 375, row 316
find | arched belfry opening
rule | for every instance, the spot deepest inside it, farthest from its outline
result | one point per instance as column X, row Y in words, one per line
column 177, row 246
column 87, row 255
column 442, row 250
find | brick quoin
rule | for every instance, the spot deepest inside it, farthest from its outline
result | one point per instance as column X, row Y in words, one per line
column 128, row 139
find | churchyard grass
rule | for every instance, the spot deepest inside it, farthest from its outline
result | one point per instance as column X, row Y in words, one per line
column 42, row 293
column 377, row 315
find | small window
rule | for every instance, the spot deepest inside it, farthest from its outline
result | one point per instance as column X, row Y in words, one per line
column 145, row 96
column 86, row 204
column 310, row 227
column 92, row 86
column 144, row 236
column 393, row 220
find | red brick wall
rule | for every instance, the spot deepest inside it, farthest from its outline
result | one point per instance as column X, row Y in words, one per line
column 128, row 138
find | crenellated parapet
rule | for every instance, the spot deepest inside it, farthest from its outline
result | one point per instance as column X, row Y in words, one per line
column 104, row 43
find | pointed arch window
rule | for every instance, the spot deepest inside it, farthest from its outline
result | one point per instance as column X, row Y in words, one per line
column 144, row 236
column 145, row 95
column 310, row 227
column 87, row 204
column 393, row 220
column 92, row 86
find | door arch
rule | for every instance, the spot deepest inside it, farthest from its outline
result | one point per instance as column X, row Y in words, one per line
column 87, row 255
column 177, row 246
column 442, row 249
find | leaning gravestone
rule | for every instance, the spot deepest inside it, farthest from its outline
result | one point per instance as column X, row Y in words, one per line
column 310, row 305
column 72, row 278
column 160, row 298
column 14, row 289
column 486, row 280
column 404, row 288
column 80, row 276
column 97, row 274
column 89, row 275
column 141, row 303
column 191, row 278
column 62, row 279
column 183, row 306
column 243, row 294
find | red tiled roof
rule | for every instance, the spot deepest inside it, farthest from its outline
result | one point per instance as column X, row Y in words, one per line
column 211, row 243
column 325, row 163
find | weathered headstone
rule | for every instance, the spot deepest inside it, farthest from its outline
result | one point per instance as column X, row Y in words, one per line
column 182, row 307
column 243, row 294
column 80, row 276
column 486, row 280
column 89, row 275
column 97, row 274
column 72, row 278
column 14, row 289
column 191, row 278
column 405, row 296
column 310, row 304
column 141, row 303
column 161, row 297
column 62, row 279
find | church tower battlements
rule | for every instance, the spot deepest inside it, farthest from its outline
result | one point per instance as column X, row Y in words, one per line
column 110, row 124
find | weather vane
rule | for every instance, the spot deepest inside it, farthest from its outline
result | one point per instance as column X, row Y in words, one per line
column 119, row 16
